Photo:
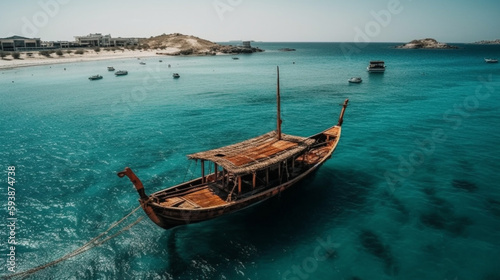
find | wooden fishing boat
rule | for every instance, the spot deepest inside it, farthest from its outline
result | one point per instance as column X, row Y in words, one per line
column 244, row 174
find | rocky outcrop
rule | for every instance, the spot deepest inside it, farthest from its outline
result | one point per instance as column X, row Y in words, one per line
column 486, row 42
column 427, row 43
column 179, row 44
column 229, row 49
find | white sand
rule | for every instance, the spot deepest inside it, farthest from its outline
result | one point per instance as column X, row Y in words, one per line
column 89, row 55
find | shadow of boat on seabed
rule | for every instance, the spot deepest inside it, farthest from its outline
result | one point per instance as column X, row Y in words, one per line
column 374, row 245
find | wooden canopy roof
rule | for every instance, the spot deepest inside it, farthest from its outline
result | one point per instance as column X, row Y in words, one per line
column 256, row 153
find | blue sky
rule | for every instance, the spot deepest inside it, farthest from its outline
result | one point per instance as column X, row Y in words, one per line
column 279, row 20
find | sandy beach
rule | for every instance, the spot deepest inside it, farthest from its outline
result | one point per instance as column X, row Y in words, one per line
column 90, row 55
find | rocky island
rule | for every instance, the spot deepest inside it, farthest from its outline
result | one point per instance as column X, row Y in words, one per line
column 179, row 44
column 427, row 43
column 487, row 42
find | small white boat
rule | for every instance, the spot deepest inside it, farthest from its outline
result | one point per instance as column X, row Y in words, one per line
column 490, row 60
column 176, row 75
column 376, row 66
column 95, row 77
column 111, row 68
column 121, row 73
column 355, row 80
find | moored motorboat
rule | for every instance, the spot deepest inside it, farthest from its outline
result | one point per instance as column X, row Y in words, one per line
column 111, row 68
column 176, row 75
column 491, row 60
column 244, row 174
column 121, row 73
column 95, row 77
column 376, row 66
column 355, row 80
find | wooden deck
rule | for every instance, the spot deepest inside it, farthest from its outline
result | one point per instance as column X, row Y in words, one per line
column 206, row 197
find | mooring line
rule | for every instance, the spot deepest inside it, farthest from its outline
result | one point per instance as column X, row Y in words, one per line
column 94, row 242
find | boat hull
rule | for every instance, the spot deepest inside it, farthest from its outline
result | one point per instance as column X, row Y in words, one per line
column 375, row 70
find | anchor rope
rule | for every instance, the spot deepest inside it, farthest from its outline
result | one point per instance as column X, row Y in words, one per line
column 94, row 242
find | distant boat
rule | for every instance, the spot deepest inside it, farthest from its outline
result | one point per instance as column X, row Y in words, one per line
column 355, row 80
column 286, row 50
column 236, row 58
column 176, row 75
column 161, row 60
column 95, row 77
column 111, row 68
column 490, row 60
column 121, row 73
column 243, row 175
column 376, row 66
column 142, row 63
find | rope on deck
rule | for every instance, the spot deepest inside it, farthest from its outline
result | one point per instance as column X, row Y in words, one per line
column 96, row 241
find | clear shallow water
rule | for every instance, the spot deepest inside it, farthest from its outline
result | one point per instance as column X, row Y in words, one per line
column 409, row 194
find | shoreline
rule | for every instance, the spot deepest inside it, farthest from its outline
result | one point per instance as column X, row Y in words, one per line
column 89, row 55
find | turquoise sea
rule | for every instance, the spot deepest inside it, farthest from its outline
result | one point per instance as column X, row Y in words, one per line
column 410, row 193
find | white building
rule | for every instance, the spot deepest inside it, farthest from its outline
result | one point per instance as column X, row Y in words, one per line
column 18, row 43
column 99, row 40
column 93, row 40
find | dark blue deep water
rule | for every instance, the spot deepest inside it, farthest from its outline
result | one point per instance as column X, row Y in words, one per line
column 410, row 193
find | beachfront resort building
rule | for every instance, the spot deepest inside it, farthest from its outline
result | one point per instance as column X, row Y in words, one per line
column 99, row 40
column 18, row 43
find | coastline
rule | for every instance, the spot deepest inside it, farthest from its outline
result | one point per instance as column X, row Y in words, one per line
column 89, row 55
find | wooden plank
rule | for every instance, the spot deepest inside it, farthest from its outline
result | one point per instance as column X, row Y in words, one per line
column 169, row 202
column 205, row 198
column 201, row 198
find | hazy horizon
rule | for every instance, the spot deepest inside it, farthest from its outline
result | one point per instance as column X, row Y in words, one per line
column 458, row 21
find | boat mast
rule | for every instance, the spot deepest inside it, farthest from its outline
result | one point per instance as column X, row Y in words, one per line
column 278, row 104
